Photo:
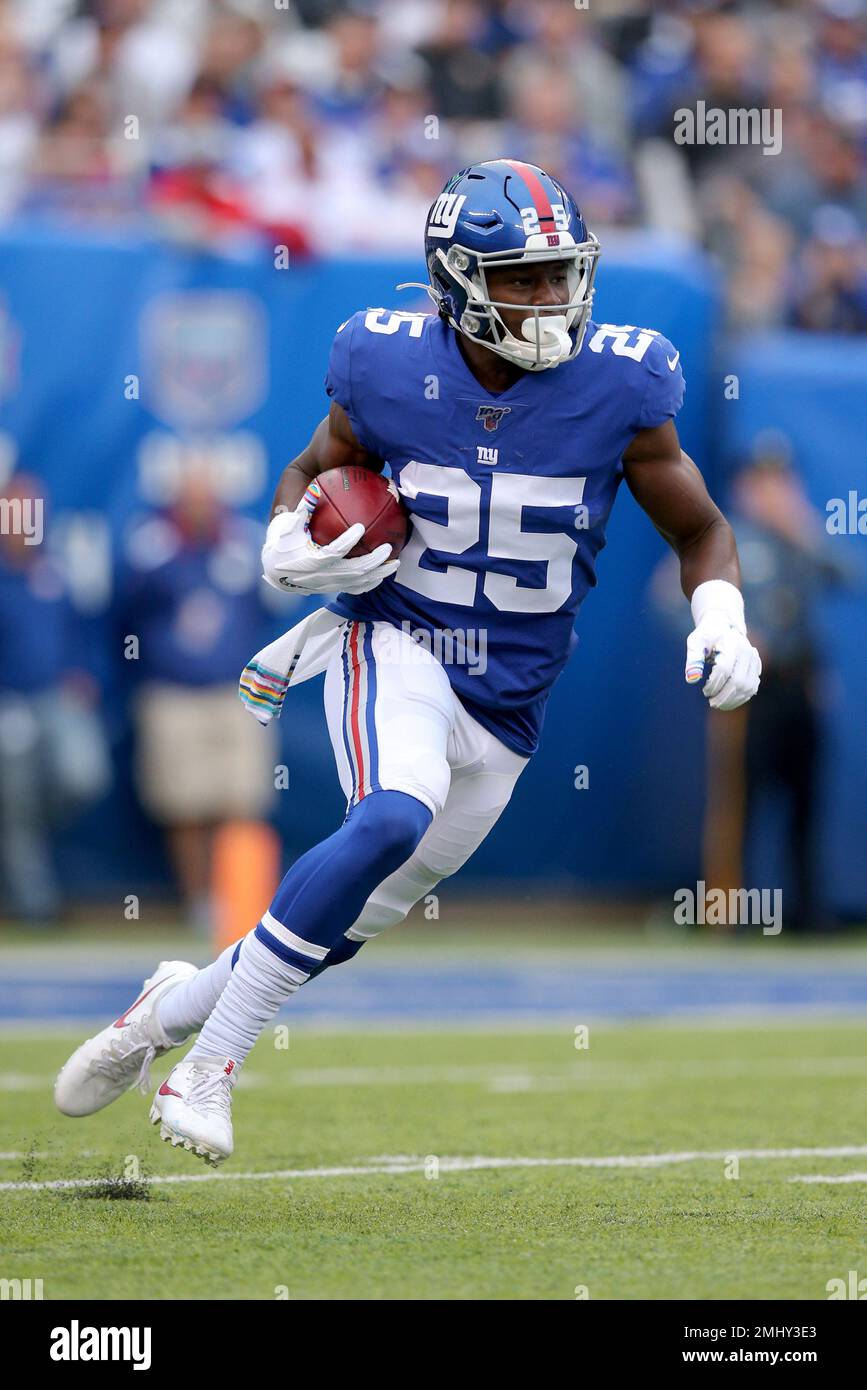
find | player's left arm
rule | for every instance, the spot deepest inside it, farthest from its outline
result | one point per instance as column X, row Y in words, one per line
column 667, row 485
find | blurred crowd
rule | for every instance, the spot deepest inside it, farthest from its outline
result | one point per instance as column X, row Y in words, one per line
column 187, row 610
column 329, row 126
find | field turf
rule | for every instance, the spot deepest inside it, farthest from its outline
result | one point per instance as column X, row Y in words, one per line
column 414, row 1103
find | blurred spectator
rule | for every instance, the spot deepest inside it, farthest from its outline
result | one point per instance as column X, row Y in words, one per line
column 196, row 198
column 199, row 132
column 53, row 753
column 724, row 73
column 547, row 131
column 829, row 277
column 19, row 120
column 767, row 755
column 841, row 60
column 356, row 80
column 232, row 48
column 559, row 40
column 289, row 175
column 145, row 59
column 786, row 564
column 755, row 247
column 464, row 79
column 828, row 169
column 188, row 592
column 260, row 126
column 74, row 145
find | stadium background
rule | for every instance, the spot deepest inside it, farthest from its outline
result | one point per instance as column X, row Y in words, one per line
column 157, row 157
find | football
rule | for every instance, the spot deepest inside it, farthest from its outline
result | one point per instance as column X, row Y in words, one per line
column 349, row 495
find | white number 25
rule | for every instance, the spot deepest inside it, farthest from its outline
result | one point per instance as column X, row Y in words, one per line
column 510, row 493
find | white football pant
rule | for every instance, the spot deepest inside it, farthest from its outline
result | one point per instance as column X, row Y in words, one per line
column 396, row 725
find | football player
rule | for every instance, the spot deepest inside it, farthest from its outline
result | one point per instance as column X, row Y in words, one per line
column 508, row 420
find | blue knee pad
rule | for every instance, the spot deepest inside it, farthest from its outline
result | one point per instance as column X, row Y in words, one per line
column 387, row 827
column 324, row 891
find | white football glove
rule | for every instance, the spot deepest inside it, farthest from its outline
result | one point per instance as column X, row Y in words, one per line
column 291, row 559
column 720, row 636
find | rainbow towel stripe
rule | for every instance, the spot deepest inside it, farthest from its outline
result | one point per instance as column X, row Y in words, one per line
column 262, row 691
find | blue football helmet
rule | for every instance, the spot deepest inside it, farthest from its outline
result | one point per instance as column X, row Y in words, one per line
column 500, row 213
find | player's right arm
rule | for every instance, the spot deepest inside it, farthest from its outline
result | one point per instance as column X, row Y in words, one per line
column 333, row 446
column 290, row 557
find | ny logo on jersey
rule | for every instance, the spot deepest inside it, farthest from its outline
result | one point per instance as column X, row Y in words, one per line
column 445, row 213
column 491, row 415
column 486, row 455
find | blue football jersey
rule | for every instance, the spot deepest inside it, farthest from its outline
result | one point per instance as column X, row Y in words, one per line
column 509, row 494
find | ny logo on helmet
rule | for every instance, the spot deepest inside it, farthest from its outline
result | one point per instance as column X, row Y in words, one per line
column 491, row 415
column 445, row 213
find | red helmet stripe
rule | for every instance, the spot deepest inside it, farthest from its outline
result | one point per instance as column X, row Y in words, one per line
column 537, row 192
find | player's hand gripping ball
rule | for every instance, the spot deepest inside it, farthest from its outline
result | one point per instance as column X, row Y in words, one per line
column 343, row 537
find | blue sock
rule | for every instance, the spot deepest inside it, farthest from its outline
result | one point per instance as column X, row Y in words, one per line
column 341, row 952
column 319, row 899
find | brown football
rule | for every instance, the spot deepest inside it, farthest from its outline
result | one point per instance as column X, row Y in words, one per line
column 348, row 495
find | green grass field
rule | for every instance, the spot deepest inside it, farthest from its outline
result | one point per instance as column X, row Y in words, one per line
column 356, row 1100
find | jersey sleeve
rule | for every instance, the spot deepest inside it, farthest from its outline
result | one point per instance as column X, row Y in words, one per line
column 340, row 384
column 664, row 387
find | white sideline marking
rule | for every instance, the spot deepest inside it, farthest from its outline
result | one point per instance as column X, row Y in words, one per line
column 407, row 1165
column 10, row 1155
column 840, row 1177
column 637, row 1074
column 706, row 1017
column 504, row 1078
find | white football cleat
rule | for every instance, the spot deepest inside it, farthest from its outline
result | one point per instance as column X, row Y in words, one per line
column 119, row 1057
column 193, row 1107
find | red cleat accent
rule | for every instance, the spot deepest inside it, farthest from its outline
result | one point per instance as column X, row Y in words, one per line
column 121, row 1022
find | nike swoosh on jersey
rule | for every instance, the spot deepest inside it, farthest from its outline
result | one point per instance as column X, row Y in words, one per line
column 672, row 361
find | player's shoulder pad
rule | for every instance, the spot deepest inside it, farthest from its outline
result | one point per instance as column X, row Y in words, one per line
column 367, row 350
column 338, row 378
column 343, row 379
column 665, row 388
column 371, row 334
column 650, row 366
column 377, row 327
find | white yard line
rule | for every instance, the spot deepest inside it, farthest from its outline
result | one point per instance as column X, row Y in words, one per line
column 521, row 1076
column 400, row 1166
column 707, row 1018
column 838, row 1177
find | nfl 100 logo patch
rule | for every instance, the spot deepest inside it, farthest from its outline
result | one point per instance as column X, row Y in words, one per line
column 491, row 415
